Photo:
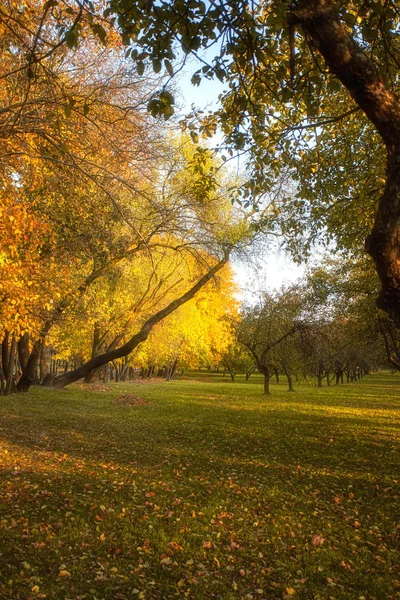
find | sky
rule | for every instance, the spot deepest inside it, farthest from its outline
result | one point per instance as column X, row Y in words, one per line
column 273, row 267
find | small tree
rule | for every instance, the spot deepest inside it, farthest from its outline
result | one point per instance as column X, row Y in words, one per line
column 269, row 327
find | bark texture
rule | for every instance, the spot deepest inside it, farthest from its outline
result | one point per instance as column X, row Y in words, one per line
column 361, row 77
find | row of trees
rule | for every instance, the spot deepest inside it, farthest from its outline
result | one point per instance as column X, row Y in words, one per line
column 109, row 222
column 92, row 188
column 326, row 327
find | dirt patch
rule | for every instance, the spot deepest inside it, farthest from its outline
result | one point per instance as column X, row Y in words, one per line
column 129, row 400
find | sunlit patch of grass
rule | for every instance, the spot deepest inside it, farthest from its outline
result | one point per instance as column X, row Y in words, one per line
column 210, row 490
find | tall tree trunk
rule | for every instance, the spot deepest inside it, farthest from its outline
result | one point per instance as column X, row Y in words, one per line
column 125, row 369
column 5, row 353
column 44, row 364
column 360, row 76
column 29, row 373
column 320, row 374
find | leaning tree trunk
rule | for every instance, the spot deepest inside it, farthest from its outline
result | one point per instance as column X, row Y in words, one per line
column 361, row 77
column 124, row 350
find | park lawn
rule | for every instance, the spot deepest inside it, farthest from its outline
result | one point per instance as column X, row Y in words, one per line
column 208, row 490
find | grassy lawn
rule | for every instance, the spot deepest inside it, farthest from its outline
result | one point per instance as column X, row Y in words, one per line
column 207, row 490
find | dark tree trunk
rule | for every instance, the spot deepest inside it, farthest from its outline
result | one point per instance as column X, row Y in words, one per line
column 96, row 350
column 288, row 376
column 320, row 373
column 276, row 375
column 231, row 372
column 5, row 353
column 48, row 380
column 250, row 372
column 266, row 374
column 360, row 76
column 10, row 380
column 125, row 370
column 23, row 350
column 29, row 373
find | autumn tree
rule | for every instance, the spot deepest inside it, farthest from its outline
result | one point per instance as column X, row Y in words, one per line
column 197, row 333
column 80, row 155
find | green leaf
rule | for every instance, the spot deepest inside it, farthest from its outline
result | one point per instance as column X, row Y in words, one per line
column 71, row 38
column 140, row 68
column 168, row 112
column 167, row 97
column 100, row 32
column 156, row 66
column 169, row 68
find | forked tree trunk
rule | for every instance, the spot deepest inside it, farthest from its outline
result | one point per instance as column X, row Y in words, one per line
column 29, row 373
column 250, row 372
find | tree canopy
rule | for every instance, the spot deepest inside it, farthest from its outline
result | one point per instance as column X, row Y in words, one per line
column 308, row 83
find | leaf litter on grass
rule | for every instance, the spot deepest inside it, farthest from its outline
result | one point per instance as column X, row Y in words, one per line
column 196, row 498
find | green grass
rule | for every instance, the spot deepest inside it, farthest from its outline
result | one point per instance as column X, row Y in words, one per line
column 210, row 490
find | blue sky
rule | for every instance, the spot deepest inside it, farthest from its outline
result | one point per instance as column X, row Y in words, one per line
column 277, row 267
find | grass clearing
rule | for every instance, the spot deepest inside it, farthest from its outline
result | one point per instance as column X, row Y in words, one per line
column 206, row 490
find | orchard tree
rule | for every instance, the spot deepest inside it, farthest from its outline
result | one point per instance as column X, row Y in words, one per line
column 267, row 328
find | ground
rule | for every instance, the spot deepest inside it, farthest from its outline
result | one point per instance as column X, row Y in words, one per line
column 201, row 489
